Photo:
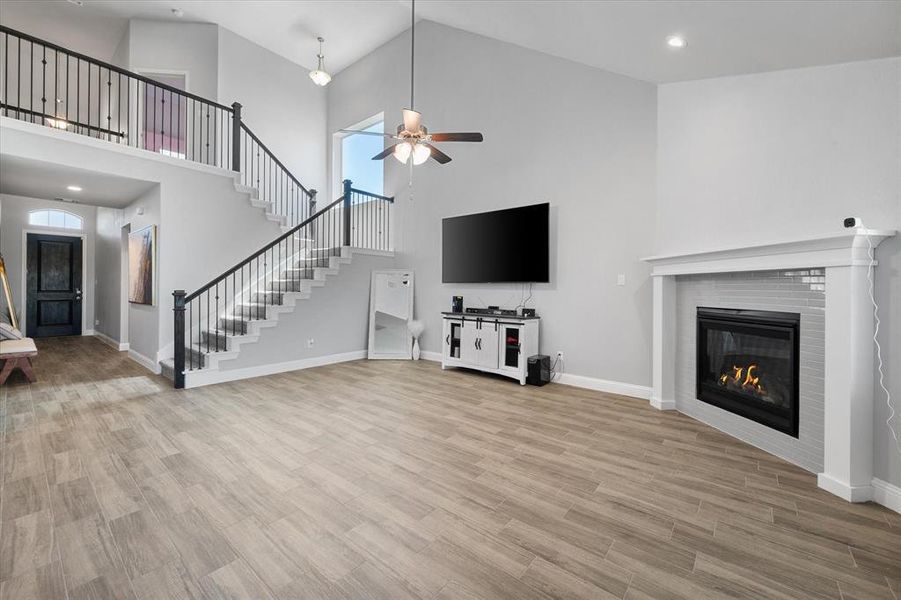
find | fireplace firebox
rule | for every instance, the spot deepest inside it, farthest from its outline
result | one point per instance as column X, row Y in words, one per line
column 747, row 364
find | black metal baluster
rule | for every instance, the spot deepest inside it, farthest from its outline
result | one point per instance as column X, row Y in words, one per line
column 109, row 103
column 99, row 102
column 31, row 83
column 6, row 76
column 44, row 88
column 56, row 86
column 191, row 333
column 18, row 78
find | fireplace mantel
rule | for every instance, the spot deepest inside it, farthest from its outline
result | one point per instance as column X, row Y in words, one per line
column 848, row 248
column 849, row 395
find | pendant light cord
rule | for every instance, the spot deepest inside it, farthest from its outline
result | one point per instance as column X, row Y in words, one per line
column 412, row 49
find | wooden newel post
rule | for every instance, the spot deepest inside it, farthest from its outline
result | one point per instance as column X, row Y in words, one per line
column 236, row 136
column 347, row 210
column 179, row 356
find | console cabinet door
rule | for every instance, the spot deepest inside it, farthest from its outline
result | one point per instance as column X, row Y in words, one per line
column 488, row 336
column 510, row 347
column 469, row 343
column 453, row 329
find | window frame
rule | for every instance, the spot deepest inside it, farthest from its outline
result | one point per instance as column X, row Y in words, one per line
column 337, row 170
column 66, row 214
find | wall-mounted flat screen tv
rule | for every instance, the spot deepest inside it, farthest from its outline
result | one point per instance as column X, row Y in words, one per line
column 495, row 247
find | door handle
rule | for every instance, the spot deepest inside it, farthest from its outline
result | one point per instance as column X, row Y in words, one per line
column 77, row 294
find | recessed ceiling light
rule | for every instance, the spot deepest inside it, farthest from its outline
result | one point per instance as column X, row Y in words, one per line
column 178, row 12
column 73, row 188
column 76, row 2
column 676, row 41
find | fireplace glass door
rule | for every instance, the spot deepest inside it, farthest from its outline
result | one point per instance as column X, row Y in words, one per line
column 748, row 364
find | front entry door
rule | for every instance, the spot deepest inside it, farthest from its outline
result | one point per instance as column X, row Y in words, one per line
column 54, row 285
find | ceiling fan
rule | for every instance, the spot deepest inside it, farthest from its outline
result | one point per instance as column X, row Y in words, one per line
column 413, row 139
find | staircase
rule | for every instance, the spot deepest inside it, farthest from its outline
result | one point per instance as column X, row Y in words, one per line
column 214, row 322
column 51, row 86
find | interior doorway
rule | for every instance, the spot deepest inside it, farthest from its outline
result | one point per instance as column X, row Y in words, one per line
column 164, row 120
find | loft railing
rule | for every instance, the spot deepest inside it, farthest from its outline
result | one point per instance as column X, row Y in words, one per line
column 46, row 84
column 208, row 320
column 49, row 85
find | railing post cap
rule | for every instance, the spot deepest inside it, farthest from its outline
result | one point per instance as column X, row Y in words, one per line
column 236, row 105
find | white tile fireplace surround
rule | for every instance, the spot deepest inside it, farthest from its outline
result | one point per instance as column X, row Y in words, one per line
column 836, row 391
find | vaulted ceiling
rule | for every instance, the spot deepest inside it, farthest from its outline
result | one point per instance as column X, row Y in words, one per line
column 627, row 37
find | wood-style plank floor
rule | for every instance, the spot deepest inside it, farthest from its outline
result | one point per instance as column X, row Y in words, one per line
column 395, row 480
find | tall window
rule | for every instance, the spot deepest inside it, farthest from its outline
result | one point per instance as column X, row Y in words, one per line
column 356, row 157
column 54, row 218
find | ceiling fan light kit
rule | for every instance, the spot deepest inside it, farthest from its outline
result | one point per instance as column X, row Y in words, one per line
column 413, row 139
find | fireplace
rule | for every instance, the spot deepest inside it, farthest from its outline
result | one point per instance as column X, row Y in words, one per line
column 747, row 364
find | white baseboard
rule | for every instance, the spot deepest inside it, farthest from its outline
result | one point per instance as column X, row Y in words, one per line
column 661, row 404
column 121, row 347
column 605, row 385
column 887, row 495
column 88, row 332
column 851, row 493
column 208, row 377
column 145, row 362
column 581, row 381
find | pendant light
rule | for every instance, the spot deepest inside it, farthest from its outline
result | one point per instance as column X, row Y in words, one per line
column 320, row 76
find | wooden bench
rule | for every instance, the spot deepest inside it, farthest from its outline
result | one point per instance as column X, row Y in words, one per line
column 17, row 354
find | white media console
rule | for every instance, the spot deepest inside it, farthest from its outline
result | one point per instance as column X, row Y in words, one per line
column 498, row 344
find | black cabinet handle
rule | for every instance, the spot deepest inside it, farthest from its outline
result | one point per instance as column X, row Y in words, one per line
column 447, row 340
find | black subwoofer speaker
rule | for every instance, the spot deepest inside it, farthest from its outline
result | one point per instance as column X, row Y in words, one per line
column 539, row 369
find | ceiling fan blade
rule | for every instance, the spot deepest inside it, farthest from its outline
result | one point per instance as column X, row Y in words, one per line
column 385, row 153
column 412, row 120
column 437, row 154
column 357, row 131
column 456, row 137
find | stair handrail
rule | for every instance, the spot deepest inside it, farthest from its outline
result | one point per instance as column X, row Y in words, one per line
column 261, row 251
column 357, row 218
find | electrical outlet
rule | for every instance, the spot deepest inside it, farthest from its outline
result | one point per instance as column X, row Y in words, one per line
column 621, row 279
column 559, row 354
column 96, row 321
column 310, row 342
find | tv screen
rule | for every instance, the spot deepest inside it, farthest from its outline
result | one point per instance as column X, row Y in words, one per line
column 499, row 246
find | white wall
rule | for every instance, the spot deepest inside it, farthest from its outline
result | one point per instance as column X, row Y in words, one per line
column 176, row 47
column 108, row 280
column 555, row 131
column 14, row 223
column 279, row 104
column 785, row 155
column 145, row 337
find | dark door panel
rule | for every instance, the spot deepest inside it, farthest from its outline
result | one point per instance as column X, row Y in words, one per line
column 54, row 285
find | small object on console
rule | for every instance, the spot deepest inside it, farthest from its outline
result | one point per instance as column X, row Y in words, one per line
column 528, row 312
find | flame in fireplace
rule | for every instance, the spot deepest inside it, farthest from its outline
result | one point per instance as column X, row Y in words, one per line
column 744, row 379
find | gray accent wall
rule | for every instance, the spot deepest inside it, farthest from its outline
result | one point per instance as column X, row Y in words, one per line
column 555, row 131
column 801, row 291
